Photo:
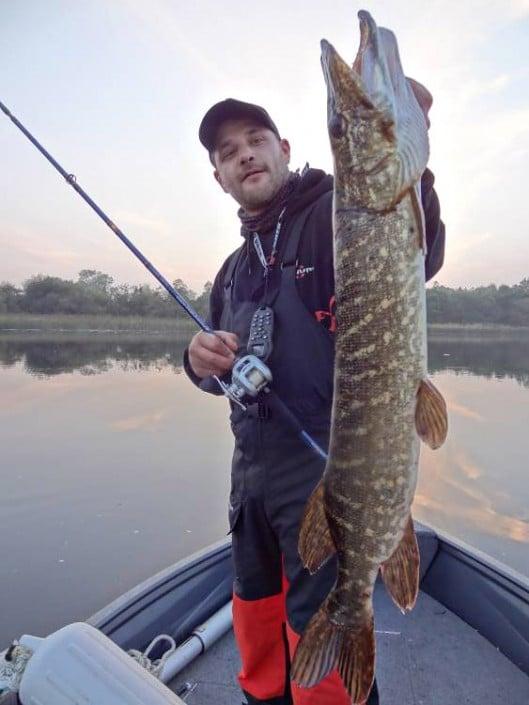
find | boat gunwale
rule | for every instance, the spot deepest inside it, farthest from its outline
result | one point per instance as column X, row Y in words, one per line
column 158, row 585
column 494, row 569
column 167, row 579
column 129, row 613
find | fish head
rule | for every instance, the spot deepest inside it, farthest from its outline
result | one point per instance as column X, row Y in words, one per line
column 377, row 121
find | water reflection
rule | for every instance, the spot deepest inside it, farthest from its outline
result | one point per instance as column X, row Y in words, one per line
column 106, row 479
column 476, row 485
column 485, row 357
column 46, row 356
column 49, row 355
column 117, row 470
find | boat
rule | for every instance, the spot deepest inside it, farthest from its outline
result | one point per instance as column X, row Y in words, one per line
column 466, row 640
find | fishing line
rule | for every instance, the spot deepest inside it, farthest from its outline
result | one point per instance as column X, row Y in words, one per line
column 250, row 374
column 72, row 181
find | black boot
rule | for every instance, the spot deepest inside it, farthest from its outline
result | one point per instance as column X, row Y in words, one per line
column 373, row 695
column 250, row 700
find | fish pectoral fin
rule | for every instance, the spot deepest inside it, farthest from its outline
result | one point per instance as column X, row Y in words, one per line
column 431, row 419
column 315, row 543
column 400, row 572
column 325, row 646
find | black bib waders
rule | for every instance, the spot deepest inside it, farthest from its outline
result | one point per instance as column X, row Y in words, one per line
column 273, row 474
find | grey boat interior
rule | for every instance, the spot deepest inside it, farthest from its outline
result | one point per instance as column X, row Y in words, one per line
column 466, row 641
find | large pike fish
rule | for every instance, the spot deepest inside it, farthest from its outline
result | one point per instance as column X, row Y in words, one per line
column 383, row 401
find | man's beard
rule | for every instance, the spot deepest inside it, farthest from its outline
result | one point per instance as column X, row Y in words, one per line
column 266, row 219
column 260, row 199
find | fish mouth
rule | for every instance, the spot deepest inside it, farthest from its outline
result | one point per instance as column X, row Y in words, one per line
column 374, row 112
column 369, row 43
column 375, row 78
column 341, row 79
column 378, row 63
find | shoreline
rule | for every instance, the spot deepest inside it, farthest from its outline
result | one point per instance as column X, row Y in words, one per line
column 11, row 323
column 93, row 324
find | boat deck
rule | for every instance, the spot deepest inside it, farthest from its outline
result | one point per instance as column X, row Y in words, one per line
column 427, row 657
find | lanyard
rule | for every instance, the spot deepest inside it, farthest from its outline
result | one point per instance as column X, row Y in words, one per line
column 267, row 265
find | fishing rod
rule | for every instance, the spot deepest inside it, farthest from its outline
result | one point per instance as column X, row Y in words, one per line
column 72, row 181
column 250, row 375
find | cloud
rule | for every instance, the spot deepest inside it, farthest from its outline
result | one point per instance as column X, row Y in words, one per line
column 469, row 468
column 476, row 88
column 182, row 58
column 166, row 23
column 32, row 252
column 464, row 411
column 519, row 9
column 447, row 492
column 492, row 143
column 136, row 220
column 484, row 518
column 144, row 422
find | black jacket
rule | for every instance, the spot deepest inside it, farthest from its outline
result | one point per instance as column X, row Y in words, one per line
column 315, row 269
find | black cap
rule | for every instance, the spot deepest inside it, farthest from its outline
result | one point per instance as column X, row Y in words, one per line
column 231, row 109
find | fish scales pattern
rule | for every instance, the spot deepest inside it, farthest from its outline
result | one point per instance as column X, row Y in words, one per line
column 383, row 403
column 380, row 360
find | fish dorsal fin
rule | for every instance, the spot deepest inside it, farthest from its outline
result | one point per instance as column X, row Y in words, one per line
column 315, row 541
column 400, row 572
column 431, row 419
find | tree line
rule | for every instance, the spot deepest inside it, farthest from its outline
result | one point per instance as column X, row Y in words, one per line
column 505, row 305
column 95, row 292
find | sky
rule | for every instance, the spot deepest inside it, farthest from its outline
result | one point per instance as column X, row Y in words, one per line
column 116, row 89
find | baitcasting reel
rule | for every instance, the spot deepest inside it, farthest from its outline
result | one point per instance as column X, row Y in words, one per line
column 249, row 376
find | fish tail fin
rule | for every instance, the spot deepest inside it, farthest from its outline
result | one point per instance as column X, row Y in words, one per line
column 356, row 663
column 315, row 543
column 400, row 572
column 325, row 646
column 431, row 418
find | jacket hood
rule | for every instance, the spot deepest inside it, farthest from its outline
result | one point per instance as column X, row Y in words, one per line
column 313, row 183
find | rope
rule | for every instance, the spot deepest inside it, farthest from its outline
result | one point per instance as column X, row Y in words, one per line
column 13, row 662
column 154, row 667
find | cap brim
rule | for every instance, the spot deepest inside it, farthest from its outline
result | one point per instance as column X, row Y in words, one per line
column 230, row 110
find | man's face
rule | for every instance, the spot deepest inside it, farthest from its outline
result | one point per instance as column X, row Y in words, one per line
column 251, row 163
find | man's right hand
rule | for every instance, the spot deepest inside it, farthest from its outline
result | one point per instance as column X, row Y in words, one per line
column 212, row 354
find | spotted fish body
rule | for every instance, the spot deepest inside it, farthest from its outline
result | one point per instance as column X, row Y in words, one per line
column 383, row 402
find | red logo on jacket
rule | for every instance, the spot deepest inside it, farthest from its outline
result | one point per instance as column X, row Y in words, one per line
column 327, row 318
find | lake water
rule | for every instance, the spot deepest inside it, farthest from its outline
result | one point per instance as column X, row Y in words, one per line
column 113, row 466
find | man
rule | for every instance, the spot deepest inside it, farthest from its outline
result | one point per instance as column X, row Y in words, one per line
column 286, row 262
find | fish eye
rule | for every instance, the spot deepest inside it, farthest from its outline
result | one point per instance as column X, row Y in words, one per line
column 337, row 126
